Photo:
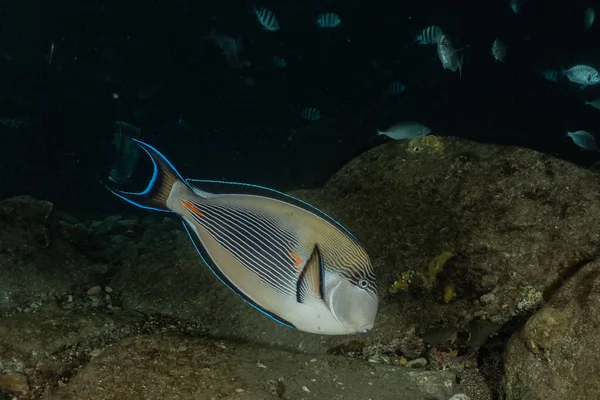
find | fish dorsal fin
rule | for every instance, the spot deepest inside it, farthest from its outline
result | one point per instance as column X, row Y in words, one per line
column 311, row 280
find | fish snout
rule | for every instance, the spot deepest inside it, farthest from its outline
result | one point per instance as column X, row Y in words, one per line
column 366, row 328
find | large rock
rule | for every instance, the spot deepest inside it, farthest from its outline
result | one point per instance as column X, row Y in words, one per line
column 556, row 355
column 515, row 220
column 171, row 367
column 463, row 236
column 36, row 263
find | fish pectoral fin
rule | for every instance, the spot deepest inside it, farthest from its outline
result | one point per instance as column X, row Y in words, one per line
column 311, row 282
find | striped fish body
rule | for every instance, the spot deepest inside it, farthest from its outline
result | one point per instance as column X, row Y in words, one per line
column 429, row 35
column 328, row 20
column 284, row 257
column 396, row 87
column 552, row 75
column 267, row 19
column 311, row 114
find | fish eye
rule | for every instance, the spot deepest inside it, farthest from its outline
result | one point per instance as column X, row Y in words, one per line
column 363, row 283
column 416, row 149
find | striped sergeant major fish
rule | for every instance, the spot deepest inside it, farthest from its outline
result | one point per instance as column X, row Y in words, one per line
column 266, row 18
column 310, row 114
column 395, row 88
column 286, row 258
column 328, row 20
column 552, row 75
column 429, row 35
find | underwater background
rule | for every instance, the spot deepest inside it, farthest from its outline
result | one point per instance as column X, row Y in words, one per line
column 71, row 69
column 455, row 140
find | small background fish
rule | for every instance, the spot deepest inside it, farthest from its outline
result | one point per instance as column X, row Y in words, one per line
column 127, row 152
column 584, row 140
column 406, row 130
column 451, row 58
column 328, row 20
column 588, row 18
column 267, row 19
column 311, row 114
column 498, row 50
column 429, row 35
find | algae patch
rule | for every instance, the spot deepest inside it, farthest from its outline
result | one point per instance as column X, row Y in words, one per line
column 436, row 266
column 402, row 283
column 430, row 144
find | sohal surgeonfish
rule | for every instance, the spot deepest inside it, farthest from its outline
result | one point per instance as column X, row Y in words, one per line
column 287, row 259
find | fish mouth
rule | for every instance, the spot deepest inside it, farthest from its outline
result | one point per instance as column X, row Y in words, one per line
column 366, row 328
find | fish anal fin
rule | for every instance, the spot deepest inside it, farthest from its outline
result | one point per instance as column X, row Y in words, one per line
column 311, row 280
column 212, row 266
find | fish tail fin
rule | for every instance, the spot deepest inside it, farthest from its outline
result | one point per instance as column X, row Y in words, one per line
column 156, row 194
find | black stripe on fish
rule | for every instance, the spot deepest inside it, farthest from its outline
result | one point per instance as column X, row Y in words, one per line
column 215, row 270
column 311, row 282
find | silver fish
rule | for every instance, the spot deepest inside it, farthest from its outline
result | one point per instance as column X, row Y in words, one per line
column 588, row 18
column 584, row 75
column 230, row 48
column 449, row 55
column 287, row 259
column 406, row 130
column 328, row 20
column 429, row 35
column 584, row 139
column 267, row 19
column 498, row 50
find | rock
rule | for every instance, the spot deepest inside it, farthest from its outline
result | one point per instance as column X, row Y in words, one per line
column 14, row 383
column 512, row 220
column 165, row 367
column 460, row 396
column 94, row 290
column 37, row 257
column 26, row 339
column 484, row 235
column 556, row 355
column 417, row 363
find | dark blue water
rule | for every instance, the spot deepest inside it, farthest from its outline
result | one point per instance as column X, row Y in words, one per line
column 237, row 121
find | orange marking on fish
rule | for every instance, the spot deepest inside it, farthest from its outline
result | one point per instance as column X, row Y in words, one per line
column 192, row 208
column 296, row 261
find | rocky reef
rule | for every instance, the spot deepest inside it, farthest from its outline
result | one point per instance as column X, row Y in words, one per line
column 486, row 261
